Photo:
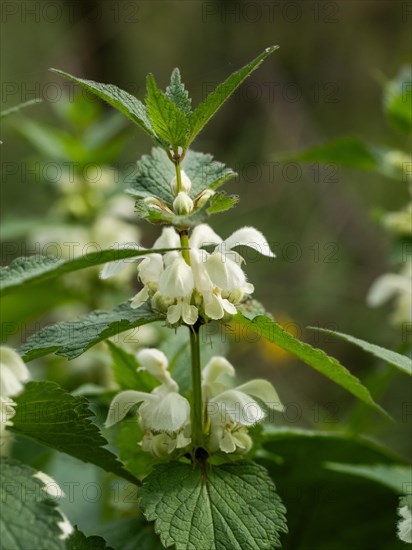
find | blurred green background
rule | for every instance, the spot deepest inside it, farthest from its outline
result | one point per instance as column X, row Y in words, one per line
column 323, row 82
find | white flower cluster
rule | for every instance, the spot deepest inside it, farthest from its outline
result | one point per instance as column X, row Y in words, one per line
column 211, row 286
column 164, row 414
column 13, row 373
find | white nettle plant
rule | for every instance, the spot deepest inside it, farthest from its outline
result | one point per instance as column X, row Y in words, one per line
column 165, row 415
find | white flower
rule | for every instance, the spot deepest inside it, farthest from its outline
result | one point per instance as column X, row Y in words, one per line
column 186, row 184
column 182, row 204
column 13, row 372
column 405, row 524
column 163, row 411
column 232, row 411
column 177, row 282
column 394, row 285
column 53, row 491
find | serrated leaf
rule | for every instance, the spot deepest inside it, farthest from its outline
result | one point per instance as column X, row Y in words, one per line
column 131, row 534
column 25, row 271
column 394, row 476
column 177, row 93
column 29, row 519
column 154, row 173
column 204, row 112
column 351, row 152
column 316, row 358
column 169, row 122
column 72, row 338
column 402, row 362
column 51, row 416
column 398, row 100
column 125, row 371
column 121, row 100
column 79, row 541
column 214, row 508
column 221, row 202
column 18, row 107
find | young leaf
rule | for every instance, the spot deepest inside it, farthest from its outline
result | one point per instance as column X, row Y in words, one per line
column 169, row 122
column 394, row 476
column 25, row 271
column 72, row 338
column 204, row 112
column 51, row 416
column 117, row 98
column 313, row 357
column 219, row 507
column 402, row 362
column 79, row 541
column 177, row 93
column 154, row 173
column 221, row 202
column 125, row 370
column 29, row 518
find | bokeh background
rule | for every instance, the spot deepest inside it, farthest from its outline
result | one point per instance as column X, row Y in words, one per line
column 325, row 81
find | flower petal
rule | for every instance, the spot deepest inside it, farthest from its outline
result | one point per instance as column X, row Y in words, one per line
column 263, row 390
column 213, row 306
column 167, row 414
column 216, row 368
column 235, row 406
column 150, row 269
column 203, row 235
column 122, row 404
column 177, row 279
column 251, row 237
column 154, row 361
column 189, row 313
column 386, row 287
column 141, row 297
column 13, row 372
column 224, row 272
column 114, row 268
column 169, row 238
column 174, row 313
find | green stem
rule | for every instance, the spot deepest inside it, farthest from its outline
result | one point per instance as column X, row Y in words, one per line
column 178, row 174
column 197, row 402
column 184, row 243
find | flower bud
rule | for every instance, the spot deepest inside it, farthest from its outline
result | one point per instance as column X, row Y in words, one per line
column 182, row 204
column 203, row 197
column 186, row 184
column 155, row 204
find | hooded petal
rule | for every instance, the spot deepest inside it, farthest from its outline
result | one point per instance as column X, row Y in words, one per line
column 169, row 238
column 150, row 269
column 202, row 281
column 154, row 361
column 235, row 406
column 251, row 237
column 122, row 404
column 224, row 272
column 203, row 235
column 114, row 268
column 263, row 390
column 13, row 372
column 166, row 414
column 177, row 279
column 214, row 376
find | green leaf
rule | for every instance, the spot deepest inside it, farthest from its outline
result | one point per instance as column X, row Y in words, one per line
column 359, row 510
column 313, row 357
column 51, row 416
column 177, row 93
column 25, row 271
column 213, row 508
column 394, row 476
column 170, row 123
column 117, row 98
column 221, row 202
column 154, row 173
column 131, row 534
column 29, row 519
column 79, row 541
column 125, row 371
column 351, row 152
column 72, row 338
column 402, row 362
column 20, row 106
column 204, row 112
column 398, row 100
